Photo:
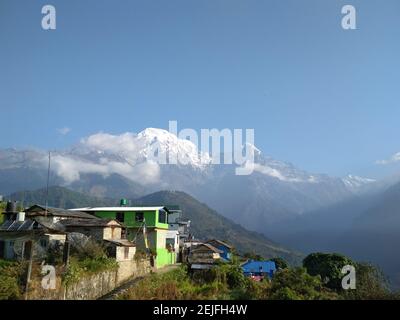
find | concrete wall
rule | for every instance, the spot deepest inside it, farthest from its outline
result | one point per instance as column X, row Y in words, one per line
column 132, row 268
column 90, row 287
column 120, row 253
column 111, row 233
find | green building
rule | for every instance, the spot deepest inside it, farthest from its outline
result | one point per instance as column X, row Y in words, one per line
column 155, row 220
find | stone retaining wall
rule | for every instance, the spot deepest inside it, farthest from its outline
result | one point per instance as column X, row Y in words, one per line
column 90, row 287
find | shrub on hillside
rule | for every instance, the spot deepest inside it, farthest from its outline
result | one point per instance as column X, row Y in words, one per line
column 328, row 266
column 9, row 288
column 371, row 284
column 10, row 278
column 297, row 284
column 87, row 248
column 280, row 263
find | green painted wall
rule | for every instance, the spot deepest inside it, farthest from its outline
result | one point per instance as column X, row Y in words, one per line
column 151, row 218
column 163, row 256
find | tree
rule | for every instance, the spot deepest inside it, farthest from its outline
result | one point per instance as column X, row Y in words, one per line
column 253, row 256
column 328, row 266
column 297, row 284
column 371, row 284
column 280, row 263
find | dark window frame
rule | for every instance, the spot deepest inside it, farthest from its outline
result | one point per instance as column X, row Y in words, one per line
column 139, row 216
column 120, row 216
column 162, row 213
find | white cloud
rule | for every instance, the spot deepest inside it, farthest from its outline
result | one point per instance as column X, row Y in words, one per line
column 124, row 143
column 70, row 169
column 64, row 131
column 394, row 158
column 267, row 170
column 135, row 156
column 107, row 154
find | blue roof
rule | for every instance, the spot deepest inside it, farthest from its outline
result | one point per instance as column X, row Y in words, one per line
column 257, row 266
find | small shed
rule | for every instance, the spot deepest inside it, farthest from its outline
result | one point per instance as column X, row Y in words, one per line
column 121, row 249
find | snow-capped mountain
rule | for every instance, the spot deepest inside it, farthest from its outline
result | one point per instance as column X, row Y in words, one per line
column 356, row 183
column 131, row 165
column 135, row 149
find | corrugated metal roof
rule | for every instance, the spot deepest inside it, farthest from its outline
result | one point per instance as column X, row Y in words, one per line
column 220, row 243
column 207, row 245
column 89, row 222
column 122, row 209
column 258, row 266
column 38, row 210
column 122, row 242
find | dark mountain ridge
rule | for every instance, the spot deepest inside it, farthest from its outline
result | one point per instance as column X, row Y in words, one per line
column 205, row 222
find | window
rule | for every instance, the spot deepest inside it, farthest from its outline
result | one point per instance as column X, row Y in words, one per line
column 126, row 253
column 170, row 242
column 162, row 216
column 120, row 216
column 139, row 217
column 43, row 243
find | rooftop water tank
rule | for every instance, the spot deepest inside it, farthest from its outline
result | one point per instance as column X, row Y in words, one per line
column 20, row 216
column 11, row 206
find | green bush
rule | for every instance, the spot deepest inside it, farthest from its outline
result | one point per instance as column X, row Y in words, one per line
column 90, row 249
column 297, row 284
column 9, row 288
column 280, row 263
column 94, row 265
column 224, row 281
column 10, row 278
column 232, row 276
column 371, row 284
column 253, row 256
column 328, row 266
column 79, row 268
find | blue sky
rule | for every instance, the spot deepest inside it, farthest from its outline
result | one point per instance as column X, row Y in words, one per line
column 320, row 97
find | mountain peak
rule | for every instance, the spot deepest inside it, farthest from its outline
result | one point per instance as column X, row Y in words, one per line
column 157, row 133
column 354, row 182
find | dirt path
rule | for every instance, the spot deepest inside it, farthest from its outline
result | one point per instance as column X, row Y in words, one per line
column 130, row 283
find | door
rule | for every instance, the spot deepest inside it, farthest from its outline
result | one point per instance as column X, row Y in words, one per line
column 2, row 249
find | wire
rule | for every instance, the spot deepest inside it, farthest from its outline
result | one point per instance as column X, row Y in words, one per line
column 47, row 187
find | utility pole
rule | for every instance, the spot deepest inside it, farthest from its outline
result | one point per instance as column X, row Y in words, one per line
column 47, row 185
column 28, row 277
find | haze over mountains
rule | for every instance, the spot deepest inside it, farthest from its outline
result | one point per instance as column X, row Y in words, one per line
column 205, row 222
column 304, row 210
column 105, row 165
